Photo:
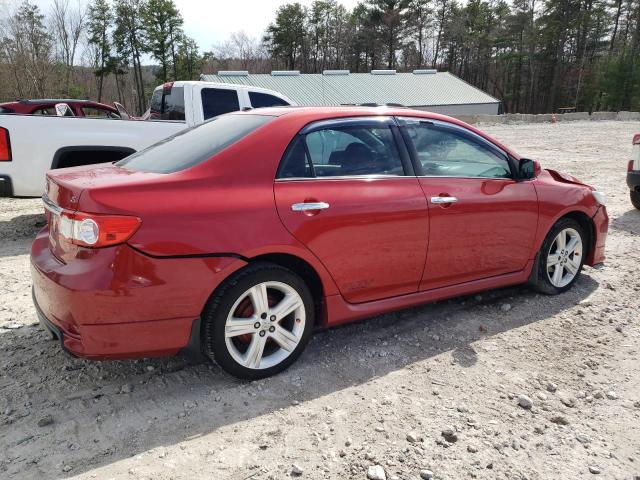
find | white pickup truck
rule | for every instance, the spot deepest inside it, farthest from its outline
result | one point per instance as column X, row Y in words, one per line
column 30, row 145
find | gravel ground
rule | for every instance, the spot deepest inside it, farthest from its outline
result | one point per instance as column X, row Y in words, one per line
column 503, row 385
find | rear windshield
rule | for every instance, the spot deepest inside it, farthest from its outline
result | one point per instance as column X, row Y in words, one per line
column 167, row 104
column 194, row 145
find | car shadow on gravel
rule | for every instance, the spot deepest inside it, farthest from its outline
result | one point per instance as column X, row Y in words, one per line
column 96, row 413
column 18, row 229
column 629, row 221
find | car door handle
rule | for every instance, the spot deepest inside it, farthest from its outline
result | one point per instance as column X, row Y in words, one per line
column 444, row 199
column 307, row 206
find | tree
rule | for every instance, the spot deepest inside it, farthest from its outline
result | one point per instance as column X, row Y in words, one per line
column 99, row 24
column 27, row 46
column 189, row 62
column 68, row 26
column 129, row 42
column 163, row 30
column 389, row 15
column 419, row 22
column 285, row 38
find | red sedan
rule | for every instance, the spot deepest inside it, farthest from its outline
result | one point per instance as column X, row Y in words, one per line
column 80, row 108
column 243, row 234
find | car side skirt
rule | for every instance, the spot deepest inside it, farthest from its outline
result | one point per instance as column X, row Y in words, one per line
column 339, row 311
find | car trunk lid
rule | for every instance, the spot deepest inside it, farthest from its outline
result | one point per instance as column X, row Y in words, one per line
column 63, row 199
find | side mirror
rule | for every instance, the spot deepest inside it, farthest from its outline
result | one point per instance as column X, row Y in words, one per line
column 63, row 110
column 528, row 168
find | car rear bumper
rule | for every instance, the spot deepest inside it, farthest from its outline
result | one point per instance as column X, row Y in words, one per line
column 120, row 303
column 633, row 180
column 601, row 229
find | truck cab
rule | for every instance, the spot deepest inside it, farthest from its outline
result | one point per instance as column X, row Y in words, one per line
column 195, row 102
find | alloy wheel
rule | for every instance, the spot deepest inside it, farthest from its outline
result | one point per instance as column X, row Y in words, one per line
column 265, row 325
column 564, row 257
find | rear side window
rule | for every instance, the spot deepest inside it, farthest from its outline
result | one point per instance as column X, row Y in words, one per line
column 262, row 100
column 217, row 101
column 343, row 151
column 167, row 104
column 194, row 145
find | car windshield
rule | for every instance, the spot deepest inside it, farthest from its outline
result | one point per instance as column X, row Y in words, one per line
column 194, row 145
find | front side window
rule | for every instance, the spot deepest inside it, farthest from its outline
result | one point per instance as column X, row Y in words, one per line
column 194, row 145
column 262, row 100
column 218, row 101
column 343, row 151
column 447, row 151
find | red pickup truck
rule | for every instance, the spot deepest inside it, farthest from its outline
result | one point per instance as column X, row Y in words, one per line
column 79, row 108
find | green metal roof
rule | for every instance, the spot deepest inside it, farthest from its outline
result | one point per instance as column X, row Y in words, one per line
column 335, row 87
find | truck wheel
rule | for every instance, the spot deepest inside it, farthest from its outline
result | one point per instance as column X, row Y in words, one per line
column 635, row 198
column 259, row 321
column 561, row 257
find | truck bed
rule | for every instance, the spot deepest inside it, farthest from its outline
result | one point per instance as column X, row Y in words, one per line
column 38, row 143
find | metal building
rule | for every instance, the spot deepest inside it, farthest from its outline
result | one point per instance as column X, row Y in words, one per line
column 439, row 92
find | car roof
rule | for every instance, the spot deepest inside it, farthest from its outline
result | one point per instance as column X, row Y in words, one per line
column 323, row 113
column 305, row 115
column 37, row 101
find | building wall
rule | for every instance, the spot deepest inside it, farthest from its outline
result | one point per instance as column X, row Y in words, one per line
column 465, row 109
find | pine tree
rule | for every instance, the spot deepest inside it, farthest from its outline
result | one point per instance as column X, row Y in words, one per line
column 100, row 20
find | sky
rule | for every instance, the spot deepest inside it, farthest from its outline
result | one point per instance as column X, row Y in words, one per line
column 212, row 21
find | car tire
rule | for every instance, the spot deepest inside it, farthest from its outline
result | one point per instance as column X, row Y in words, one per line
column 635, row 198
column 553, row 256
column 245, row 325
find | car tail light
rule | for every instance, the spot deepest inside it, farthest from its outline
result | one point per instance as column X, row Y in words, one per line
column 630, row 166
column 5, row 145
column 95, row 231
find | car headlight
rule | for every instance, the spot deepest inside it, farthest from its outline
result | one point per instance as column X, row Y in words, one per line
column 600, row 197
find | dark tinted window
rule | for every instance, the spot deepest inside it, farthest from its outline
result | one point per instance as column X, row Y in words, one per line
column 167, row 104
column 194, row 145
column 448, row 151
column 216, row 101
column 343, row 151
column 261, row 100
column 295, row 163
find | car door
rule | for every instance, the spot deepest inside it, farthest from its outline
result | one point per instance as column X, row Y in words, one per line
column 347, row 191
column 482, row 220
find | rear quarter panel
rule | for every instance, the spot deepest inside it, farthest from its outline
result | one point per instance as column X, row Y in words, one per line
column 223, row 206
